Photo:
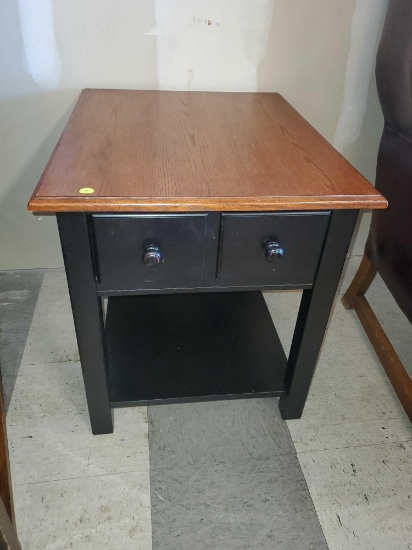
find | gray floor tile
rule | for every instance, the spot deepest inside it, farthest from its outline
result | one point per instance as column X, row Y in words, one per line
column 245, row 504
column 19, row 291
column 198, row 433
column 224, row 475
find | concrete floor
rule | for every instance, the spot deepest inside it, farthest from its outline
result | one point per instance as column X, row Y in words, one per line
column 208, row 475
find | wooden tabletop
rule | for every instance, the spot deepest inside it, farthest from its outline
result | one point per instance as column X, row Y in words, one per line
column 142, row 151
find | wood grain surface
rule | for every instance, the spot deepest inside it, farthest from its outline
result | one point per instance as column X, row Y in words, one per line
column 177, row 151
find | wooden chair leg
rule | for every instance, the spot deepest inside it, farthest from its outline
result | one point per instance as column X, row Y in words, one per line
column 399, row 378
column 355, row 298
column 361, row 282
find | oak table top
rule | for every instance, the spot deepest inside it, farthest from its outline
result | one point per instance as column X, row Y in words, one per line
column 151, row 151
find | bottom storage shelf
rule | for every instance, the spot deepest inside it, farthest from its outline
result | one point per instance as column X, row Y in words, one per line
column 192, row 347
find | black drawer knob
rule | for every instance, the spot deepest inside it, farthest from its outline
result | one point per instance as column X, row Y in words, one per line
column 151, row 256
column 273, row 251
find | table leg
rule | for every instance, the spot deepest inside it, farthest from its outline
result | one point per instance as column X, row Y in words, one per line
column 314, row 314
column 88, row 317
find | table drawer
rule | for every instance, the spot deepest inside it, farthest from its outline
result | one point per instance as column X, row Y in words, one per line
column 271, row 248
column 149, row 251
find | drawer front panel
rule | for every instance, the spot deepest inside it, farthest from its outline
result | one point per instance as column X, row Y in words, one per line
column 271, row 248
column 149, row 251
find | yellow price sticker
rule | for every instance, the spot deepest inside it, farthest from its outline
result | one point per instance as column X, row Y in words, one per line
column 86, row 190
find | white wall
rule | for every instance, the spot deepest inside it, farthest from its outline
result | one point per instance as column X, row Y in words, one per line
column 319, row 54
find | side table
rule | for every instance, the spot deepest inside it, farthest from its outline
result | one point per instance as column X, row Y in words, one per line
column 179, row 208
